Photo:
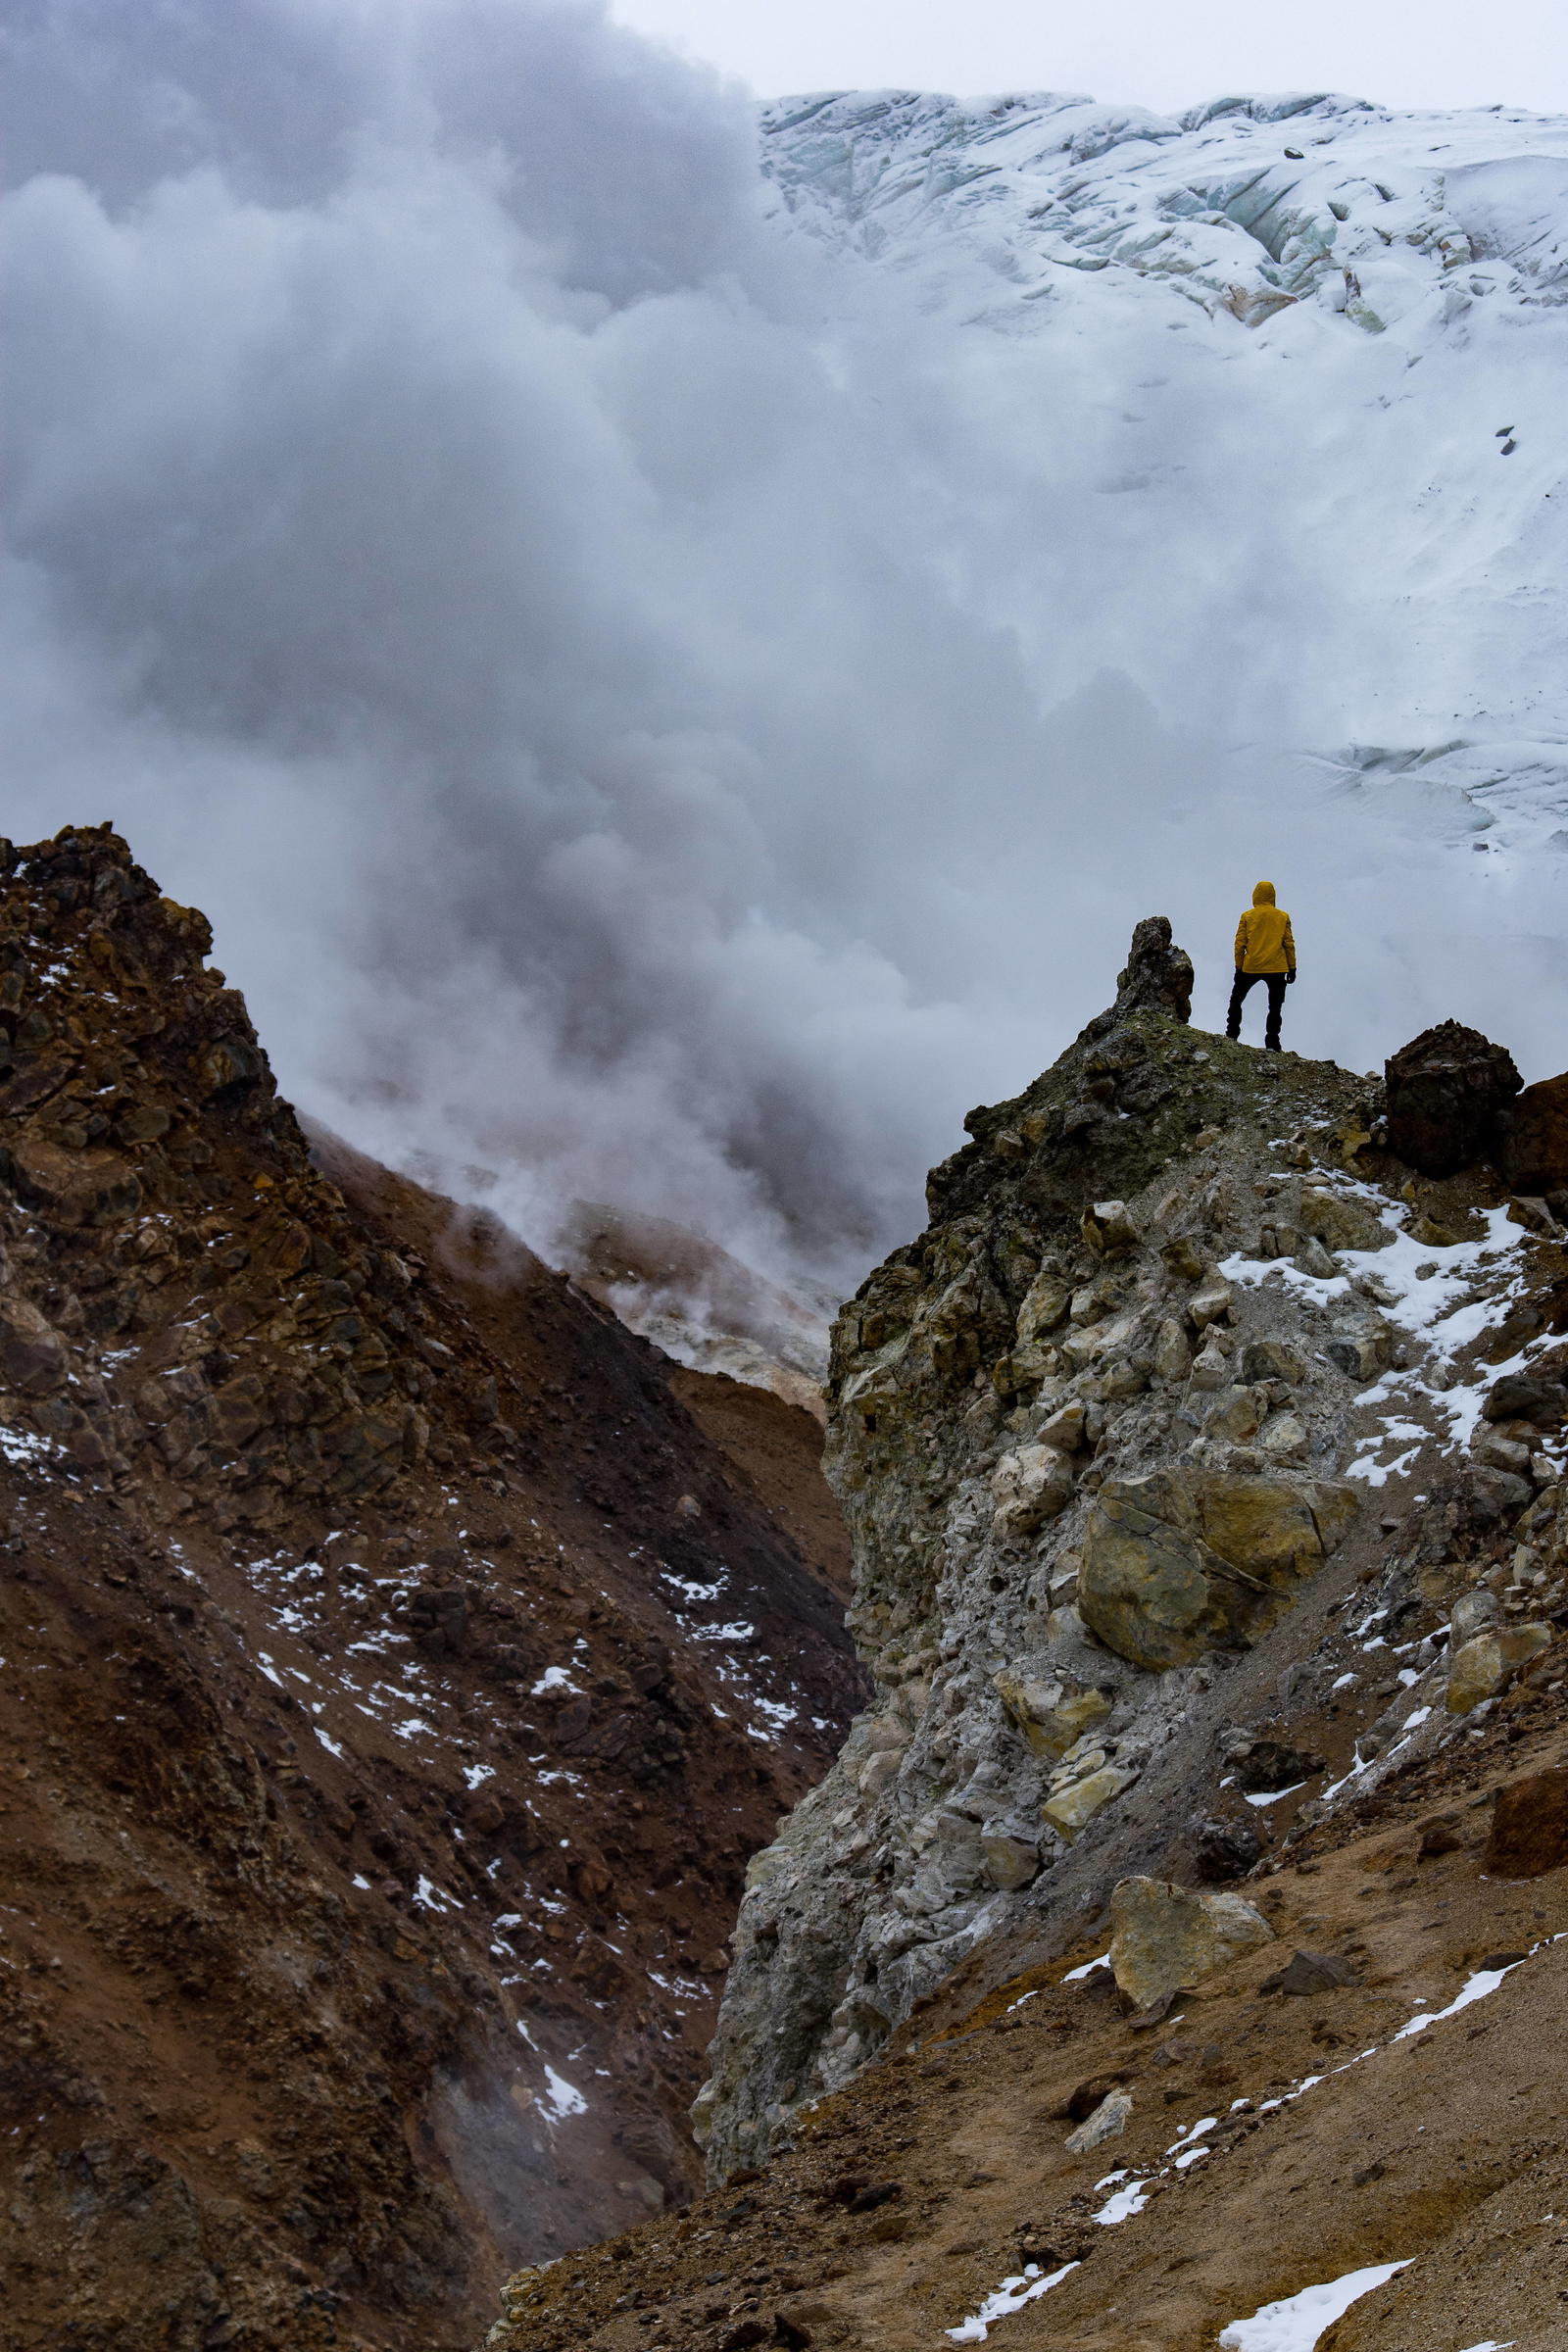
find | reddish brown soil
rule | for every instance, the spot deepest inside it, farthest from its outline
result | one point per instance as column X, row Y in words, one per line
column 396, row 1678
column 1445, row 2149
column 776, row 1448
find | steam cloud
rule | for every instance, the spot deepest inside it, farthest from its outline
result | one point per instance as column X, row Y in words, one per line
column 651, row 719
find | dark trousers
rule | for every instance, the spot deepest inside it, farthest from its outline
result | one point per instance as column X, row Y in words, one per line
column 1274, row 982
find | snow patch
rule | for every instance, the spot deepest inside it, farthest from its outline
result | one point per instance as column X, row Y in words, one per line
column 1296, row 2323
column 1012, row 2295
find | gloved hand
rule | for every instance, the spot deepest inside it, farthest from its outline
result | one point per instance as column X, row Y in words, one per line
column 1290, row 979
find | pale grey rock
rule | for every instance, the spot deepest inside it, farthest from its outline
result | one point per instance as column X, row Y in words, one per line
column 1211, row 1303
column 1014, row 1731
column 1108, row 1229
column 1212, row 1368
column 1172, row 1355
column 1107, row 2122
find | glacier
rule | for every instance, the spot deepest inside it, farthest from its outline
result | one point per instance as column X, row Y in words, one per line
column 1346, row 321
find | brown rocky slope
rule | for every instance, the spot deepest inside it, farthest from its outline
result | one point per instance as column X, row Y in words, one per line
column 1178, row 1932
column 396, row 1677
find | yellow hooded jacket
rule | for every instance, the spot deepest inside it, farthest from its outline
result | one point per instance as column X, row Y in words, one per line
column 1263, row 941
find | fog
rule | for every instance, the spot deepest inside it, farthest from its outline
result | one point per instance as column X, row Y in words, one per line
column 650, row 720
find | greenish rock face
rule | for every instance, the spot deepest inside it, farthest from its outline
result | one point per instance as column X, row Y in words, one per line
column 1184, row 1560
column 1052, row 1545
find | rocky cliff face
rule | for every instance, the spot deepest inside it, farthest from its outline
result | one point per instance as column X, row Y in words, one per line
column 1205, row 1465
column 397, row 1677
column 1098, row 1432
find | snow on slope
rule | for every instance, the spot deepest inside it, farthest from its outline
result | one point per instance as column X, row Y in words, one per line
column 1370, row 369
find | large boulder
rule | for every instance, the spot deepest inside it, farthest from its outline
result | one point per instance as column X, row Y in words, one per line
column 1532, row 1138
column 1529, row 1827
column 1158, row 977
column 1165, row 1938
column 1182, row 1561
column 1447, row 1090
column 1485, row 1664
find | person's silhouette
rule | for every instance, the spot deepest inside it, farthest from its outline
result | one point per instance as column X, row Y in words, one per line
column 1265, row 950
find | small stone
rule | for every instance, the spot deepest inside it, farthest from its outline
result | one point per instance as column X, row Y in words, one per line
column 1212, row 1368
column 1273, row 1359
column 1286, row 1438
column 1359, row 1355
column 1045, row 1306
column 1525, row 1396
column 32, row 1356
column 1312, row 1258
column 1225, row 1849
column 1030, row 1487
column 1108, row 2122
column 1342, row 1221
column 1480, row 1668
column 1010, row 1863
column 1070, row 1812
column 1211, row 1303
column 1311, row 1971
column 1264, row 1766
column 1529, row 1827
column 1064, row 1428
column 1172, row 1356
column 1168, row 1937
column 1051, row 1717
column 1181, row 1259
column 1502, row 1454
column 1108, row 1229
column 1237, row 1414
column 1534, row 1218
column 1082, row 2101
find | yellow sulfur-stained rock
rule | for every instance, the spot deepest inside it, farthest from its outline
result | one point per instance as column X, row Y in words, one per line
column 1480, row 1667
column 1073, row 1807
column 1050, row 1716
column 1165, row 1938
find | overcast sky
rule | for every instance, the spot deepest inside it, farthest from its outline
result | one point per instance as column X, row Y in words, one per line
column 1444, row 53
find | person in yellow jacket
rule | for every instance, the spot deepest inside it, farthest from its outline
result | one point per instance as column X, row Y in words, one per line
column 1265, row 951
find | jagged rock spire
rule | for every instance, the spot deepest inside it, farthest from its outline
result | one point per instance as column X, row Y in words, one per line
column 1158, row 977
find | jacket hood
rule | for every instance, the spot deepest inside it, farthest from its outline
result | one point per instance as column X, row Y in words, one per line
column 1263, row 894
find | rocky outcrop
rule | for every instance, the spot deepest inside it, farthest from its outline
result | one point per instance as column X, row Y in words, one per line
column 1533, row 1150
column 1447, row 1091
column 1216, row 1321
column 1084, row 1467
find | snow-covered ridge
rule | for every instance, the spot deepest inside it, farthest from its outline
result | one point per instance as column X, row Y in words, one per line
column 1245, row 205
column 1343, row 323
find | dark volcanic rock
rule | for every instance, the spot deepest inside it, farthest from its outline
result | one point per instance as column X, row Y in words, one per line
column 1225, row 1849
column 1523, row 1396
column 1446, row 1091
column 1307, row 1973
column 1533, row 1150
column 1158, row 977
column 1529, row 1827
